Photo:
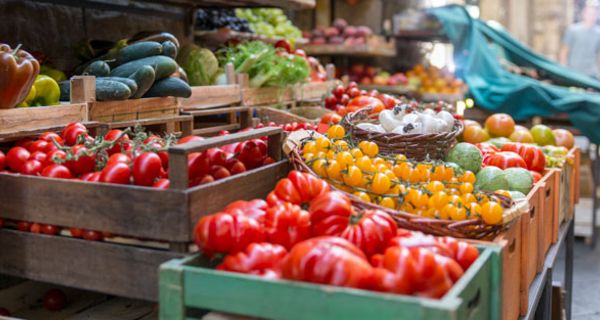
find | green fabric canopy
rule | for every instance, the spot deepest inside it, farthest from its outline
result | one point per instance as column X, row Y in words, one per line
column 499, row 90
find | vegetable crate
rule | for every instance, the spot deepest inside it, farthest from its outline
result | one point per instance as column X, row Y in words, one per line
column 189, row 283
column 297, row 114
column 531, row 226
column 548, row 230
column 315, row 90
column 206, row 97
column 211, row 121
column 177, row 124
column 152, row 225
column 569, row 185
column 507, row 259
column 83, row 90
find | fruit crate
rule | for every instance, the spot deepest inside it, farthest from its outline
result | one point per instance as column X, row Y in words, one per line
column 266, row 95
column 189, row 283
column 206, row 97
column 530, row 233
column 83, row 90
column 569, row 185
column 297, row 114
column 507, row 259
column 548, row 213
column 314, row 91
column 211, row 121
column 152, row 225
column 181, row 124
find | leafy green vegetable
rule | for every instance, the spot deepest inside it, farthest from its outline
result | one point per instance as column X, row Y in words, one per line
column 200, row 64
column 264, row 65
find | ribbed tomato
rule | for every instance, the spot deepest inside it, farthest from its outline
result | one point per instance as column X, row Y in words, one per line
column 504, row 159
column 395, row 271
column 298, row 188
column 287, row 225
column 262, row 259
column 226, row 233
column 533, row 156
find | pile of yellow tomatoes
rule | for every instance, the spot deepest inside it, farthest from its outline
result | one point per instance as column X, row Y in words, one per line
column 429, row 189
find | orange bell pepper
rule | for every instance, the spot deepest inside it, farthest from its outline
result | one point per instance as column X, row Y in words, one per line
column 18, row 70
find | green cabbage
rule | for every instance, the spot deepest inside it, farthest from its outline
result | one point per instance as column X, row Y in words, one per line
column 200, row 64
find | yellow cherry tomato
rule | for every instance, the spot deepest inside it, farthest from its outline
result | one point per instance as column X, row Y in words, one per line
column 456, row 200
column 380, row 183
column 468, row 176
column 503, row 192
column 465, row 187
column 390, row 174
column 397, row 189
column 438, row 200
column 342, row 145
column 363, row 196
column 320, row 167
column 330, row 155
column 468, row 198
column 334, row 170
column 417, row 198
column 381, row 167
column 323, row 144
column 435, row 186
column 336, row 132
column 387, row 202
column 321, row 155
column 356, row 153
column 431, row 213
column 364, row 163
column 344, row 158
column 439, row 172
column 449, row 174
column 400, row 158
column 459, row 214
column 308, row 156
column 309, row 147
column 379, row 160
column 491, row 212
column 353, row 176
column 448, row 211
column 369, row 148
column 474, row 209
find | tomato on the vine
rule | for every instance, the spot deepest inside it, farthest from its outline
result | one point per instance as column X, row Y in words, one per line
column 91, row 177
column 57, row 171
column 31, row 167
column 16, row 158
column 72, row 132
column 147, row 169
column 116, row 173
column 86, row 161
column 161, row 184
column 120, row 145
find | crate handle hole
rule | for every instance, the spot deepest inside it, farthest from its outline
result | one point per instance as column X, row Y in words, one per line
column 474, row 302
column 532, row 212
column 548, row 193
column 512, row 246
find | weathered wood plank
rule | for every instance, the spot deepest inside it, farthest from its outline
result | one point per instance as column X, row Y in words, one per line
column 118, row 308
column 121, row 209
column 122, row 270
column 19, row 119
column 212, row 96
column 133, row 109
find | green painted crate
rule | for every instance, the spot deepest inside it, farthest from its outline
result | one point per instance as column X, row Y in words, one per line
column 185, row 283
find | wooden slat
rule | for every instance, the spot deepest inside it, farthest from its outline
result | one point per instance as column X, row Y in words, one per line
column 212, row 96
column 314, row 90
column 261, row 96
column 215, row 129
column 125, row 210
column 133, row 109
column 94, row 128
column 113, row 269
column 210, row 112
column 119, row 309
column 223, row 140
column 12, row 121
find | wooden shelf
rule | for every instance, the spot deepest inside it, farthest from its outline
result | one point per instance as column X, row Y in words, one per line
column 223, row 35
column 364, row 50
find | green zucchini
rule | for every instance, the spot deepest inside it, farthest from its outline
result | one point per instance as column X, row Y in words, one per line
column 170, row 87
column 163, row 67
column 144, row 78
column 65, row 90
column 139, row 50
column 108, row 90
column 133, row 86
column 97, row 68
column 169, row 49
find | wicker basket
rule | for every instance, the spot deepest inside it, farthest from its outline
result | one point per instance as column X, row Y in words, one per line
column 414, row 146
column 470, row 229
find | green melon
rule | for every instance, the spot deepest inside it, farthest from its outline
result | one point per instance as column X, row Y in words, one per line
column 466, row 155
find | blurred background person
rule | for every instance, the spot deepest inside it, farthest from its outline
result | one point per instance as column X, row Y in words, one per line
column 581, row 43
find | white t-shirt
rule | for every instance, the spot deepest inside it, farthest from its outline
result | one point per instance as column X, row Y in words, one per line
column 584, row 46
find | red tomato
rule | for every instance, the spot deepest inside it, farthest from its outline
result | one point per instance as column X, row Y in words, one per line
column 72, row 132
column 255, row 209
column 235, row 166
column 388, row 101
column 284, row 44
column 54, row 300
column 505, row 159
column 369, row 231
column 76, row 232
column 146, row 169
column 23, row 226
column 450, row 266
column 353, row 92
column 287, row 225
column 116, row 173
column 38, row 145
column 164, row 159
column 487, row 148
column 226, row 233
column 216, row 156
column 161, row 184
column 431, row 280
column 198, row 165
column 92, row 235
column 31, row 167
column 533, row 156
column 86, row 161
column 328, row 260
column 331, row 118
column 35, row 228
column 50, row 229
column 57, row 171
column 91, row 177
column 219, row 172
column 298, row 188
column 2, row 161
column 39, row 156
column 16, row 158
column 536, row 176
column 54, row 156
column 464, row 253
column 330, row 102
column 118, row 157
column 120, row 145
column 257, row 259
column 338, row 91
column 395, row 271
column 422, row 241
column 252, row 153
column 25, row 142
column 189, row 139
column 365, row 102
column 49, row 136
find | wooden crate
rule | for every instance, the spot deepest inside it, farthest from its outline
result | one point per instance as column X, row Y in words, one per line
column 548, row 213
column 507, row 259
column 182, row 125
column 529, row 250
column 83, row 90
column 13, row 121
column 283, row 116
column 231, row 119
column 164, row 216
column 23, row 300
column 568, row 185
column 206, row 97
column 266, row 95
column 188, row 283
column 314, row 91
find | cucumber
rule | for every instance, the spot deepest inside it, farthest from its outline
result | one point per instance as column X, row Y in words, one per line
column 144, row 78
column 169, row 49
column 133, row 87
column 170, row 87
column 139, row 50
column 108, row 90
column 65, row 90
column 163, row 67
column 97, row 68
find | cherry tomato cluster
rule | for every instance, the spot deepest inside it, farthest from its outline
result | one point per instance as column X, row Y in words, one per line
column 514, row 154
column 429, row 189
column 349, row 99
column 288, row 127
column 330, row 243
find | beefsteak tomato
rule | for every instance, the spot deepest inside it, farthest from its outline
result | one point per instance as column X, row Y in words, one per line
column 533, row 156
column 504, row 159
column 224, row 232
column 287, row 225
column 258, row 259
